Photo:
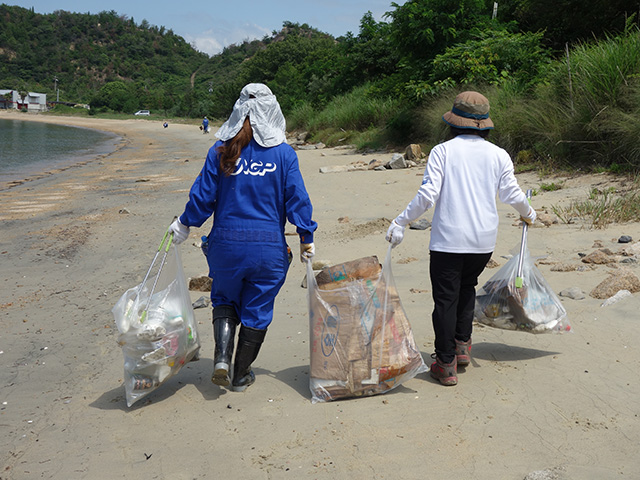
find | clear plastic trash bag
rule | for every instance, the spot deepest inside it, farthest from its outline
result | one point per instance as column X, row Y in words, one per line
column 361, row 340
column 532, row 307
column 157, row 334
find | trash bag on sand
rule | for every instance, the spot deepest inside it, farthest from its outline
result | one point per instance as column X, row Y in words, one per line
column 156, row 325
column 525, row 303
column 361, row 340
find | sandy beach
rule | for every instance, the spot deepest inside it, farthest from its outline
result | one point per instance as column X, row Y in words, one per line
column 73, row 240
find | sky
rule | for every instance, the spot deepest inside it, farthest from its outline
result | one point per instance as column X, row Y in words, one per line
column 212, row 25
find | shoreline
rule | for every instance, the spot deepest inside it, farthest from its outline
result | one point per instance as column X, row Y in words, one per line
column 74, row 241
column 37, row 170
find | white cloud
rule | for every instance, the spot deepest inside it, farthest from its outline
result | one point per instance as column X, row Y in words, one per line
column 204, row 43
column 213, row 41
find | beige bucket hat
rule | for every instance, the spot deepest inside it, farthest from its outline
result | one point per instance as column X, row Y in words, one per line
column 470, row 110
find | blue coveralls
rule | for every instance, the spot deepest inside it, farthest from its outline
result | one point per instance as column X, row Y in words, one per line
column 205, row 125
column 247, row 253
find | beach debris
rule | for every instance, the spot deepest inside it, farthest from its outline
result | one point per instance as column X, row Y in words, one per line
column 531, row 306
column 320, row 264
column 298, row 139
column 625, row 239
column 355, row 166
column 631, row 250
column 621, row 279
column 124, row 211
column 404, row 261
column 492, row 263
column 361, row 339
column 546, row 219
column 418, row 290
column 157, row 328
column 616, row 298
column 202, row 302
column 200, row 284
column 420, row 224
column 567, row 267
column 315, row 146
column 409, row 159
column 574, row 293
column 602, row 256
column 317, row 267
column 375, row 165
column 556, row 473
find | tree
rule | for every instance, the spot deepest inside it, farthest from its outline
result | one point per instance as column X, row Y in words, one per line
column 422, row 29
column 575, row 20
column 368, row 56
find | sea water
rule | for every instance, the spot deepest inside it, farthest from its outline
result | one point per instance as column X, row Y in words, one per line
column 28, row 148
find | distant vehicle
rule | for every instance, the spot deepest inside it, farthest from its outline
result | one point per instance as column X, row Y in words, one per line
column 142, row 112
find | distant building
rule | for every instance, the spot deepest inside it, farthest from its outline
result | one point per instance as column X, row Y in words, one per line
column 32, row 102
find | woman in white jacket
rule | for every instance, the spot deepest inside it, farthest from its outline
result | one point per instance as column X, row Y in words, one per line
column 462, row 178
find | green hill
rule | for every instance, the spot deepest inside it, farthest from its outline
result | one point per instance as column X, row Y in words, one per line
column 85, row 52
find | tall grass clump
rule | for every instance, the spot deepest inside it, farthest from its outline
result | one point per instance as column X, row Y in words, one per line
column 511, row 113
column 587, row 112
column 351, row 113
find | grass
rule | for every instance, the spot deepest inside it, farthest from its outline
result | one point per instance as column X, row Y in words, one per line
column 551, row 187
column 602, row 208
column 356, row 117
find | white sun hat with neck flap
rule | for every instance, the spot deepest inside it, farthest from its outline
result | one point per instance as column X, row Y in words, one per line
column 259, row 103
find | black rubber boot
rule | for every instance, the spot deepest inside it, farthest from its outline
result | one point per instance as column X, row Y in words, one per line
column 249, row 343
column 225, row 320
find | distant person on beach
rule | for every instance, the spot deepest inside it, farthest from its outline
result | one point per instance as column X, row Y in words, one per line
column 205, row 125
column 165, row 124
column 462, row 178
column 251, row 183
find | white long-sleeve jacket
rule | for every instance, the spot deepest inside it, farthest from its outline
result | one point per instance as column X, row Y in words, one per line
column 462, row 178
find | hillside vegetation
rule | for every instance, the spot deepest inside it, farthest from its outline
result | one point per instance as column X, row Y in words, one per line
column 563, row 77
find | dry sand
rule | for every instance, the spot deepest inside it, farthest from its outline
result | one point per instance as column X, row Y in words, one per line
column 542, row 406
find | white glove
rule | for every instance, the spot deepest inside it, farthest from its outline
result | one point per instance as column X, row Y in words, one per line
column 530, row 218
column 307, row 251
column 395, row 234
column 180, row 231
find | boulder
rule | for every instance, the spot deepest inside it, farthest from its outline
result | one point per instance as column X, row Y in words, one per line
column 414, row 152
column 574, row 292
column 621, row 279
column 374, row 164
column 601, row 256
column 397, row 162
column 420, row 224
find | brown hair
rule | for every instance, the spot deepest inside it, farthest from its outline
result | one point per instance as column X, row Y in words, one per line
column 230, row 150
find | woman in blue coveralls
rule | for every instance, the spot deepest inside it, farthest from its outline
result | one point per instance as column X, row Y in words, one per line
column 251, row 183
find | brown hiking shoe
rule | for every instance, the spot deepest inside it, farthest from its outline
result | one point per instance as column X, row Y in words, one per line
column 463, row 353
column 445, row 373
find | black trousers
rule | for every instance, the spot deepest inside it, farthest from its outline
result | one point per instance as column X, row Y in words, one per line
column 454, row 277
